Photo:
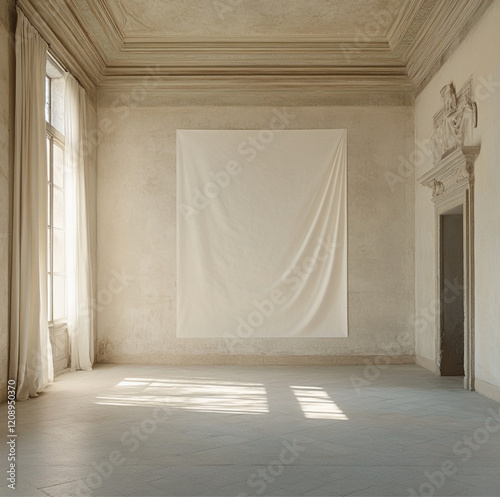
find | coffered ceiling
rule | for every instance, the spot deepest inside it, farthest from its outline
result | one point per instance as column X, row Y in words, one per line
column 384, row 46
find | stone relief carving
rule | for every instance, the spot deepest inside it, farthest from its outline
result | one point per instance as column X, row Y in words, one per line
column 461, row 174
column 437, row 187
column 454, row 123
column 452, row 144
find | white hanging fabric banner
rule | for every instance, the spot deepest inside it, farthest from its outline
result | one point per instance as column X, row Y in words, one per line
column 261, row 234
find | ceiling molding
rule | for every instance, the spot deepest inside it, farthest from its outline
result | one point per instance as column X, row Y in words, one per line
column 89, row 38
column 453, row 45
column 300, row 54
column 68, row 41
column 250, row 41
column 403, row 22
column 249, row 45
column 273, row 97
column 158, row 70
column 299, row 88
column 285, row 78
column 107, row 22
column 442, row 27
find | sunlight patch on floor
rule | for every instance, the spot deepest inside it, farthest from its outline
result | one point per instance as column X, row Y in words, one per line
column 317, row 404
column 195, row 395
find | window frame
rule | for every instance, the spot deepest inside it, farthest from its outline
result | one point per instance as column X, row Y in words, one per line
column 53, row 138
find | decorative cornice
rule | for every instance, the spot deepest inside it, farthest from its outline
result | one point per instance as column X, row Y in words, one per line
column 258, row 79
column 453, row 174
column 302, row 55
column 254, row 42
column 419, row 19
column 444, row 56
column 289, row 83
column 403, row 22
column 386, row 75
column 176, row 95
column 443, row 26
column 61, row 28
column 109, row 27
column 88, row 37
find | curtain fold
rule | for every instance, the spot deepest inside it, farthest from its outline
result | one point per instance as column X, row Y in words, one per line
column 30, row 351
column 79, row 284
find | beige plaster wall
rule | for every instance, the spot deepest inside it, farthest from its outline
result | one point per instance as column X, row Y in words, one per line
column 7, row 83
column 477, row 56
column 137, row 233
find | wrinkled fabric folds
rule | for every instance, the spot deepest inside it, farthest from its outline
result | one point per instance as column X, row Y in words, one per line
column 262, row 234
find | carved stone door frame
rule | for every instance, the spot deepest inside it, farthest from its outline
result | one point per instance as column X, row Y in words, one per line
column 452, row 183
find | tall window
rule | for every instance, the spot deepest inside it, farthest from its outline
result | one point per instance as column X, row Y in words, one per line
column 56, row 264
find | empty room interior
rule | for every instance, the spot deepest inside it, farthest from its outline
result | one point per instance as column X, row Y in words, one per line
column 250, row 248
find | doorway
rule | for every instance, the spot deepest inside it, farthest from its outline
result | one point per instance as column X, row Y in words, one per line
column 452, row 316
column 452, row 184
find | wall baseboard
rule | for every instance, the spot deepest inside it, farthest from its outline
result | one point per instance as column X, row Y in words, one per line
column 488, row 390
column 258, row 360
column 426, row 363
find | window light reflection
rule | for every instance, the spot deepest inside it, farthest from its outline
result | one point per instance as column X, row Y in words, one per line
column 317, row 404
column 201, row 395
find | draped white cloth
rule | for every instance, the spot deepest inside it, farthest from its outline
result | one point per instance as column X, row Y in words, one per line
column 262, row 234
column 78, row 271
column 30, row 351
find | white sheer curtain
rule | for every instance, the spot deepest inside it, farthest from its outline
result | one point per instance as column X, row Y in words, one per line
column 79, row 284
column 30, row 352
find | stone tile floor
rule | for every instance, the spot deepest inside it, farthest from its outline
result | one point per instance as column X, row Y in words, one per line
column 253, row 431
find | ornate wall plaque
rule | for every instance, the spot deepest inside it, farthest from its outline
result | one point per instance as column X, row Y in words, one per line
column 454, row 123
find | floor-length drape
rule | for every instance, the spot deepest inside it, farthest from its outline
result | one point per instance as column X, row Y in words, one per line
column 30, row 352
column 80, row 310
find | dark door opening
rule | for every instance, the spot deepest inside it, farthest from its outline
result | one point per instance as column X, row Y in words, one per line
column 452, row 294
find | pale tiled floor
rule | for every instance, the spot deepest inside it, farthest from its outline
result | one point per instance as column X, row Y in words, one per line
column 227, row 428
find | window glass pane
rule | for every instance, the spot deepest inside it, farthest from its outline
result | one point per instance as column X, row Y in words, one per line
column 59, row 297
column 47, row 99
column 48, row 158
column 49, row 297
column 58, row 166
column 49, row 193
column 57, row 103
column 58, row 208
column 49, row 254
column 58, row 251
